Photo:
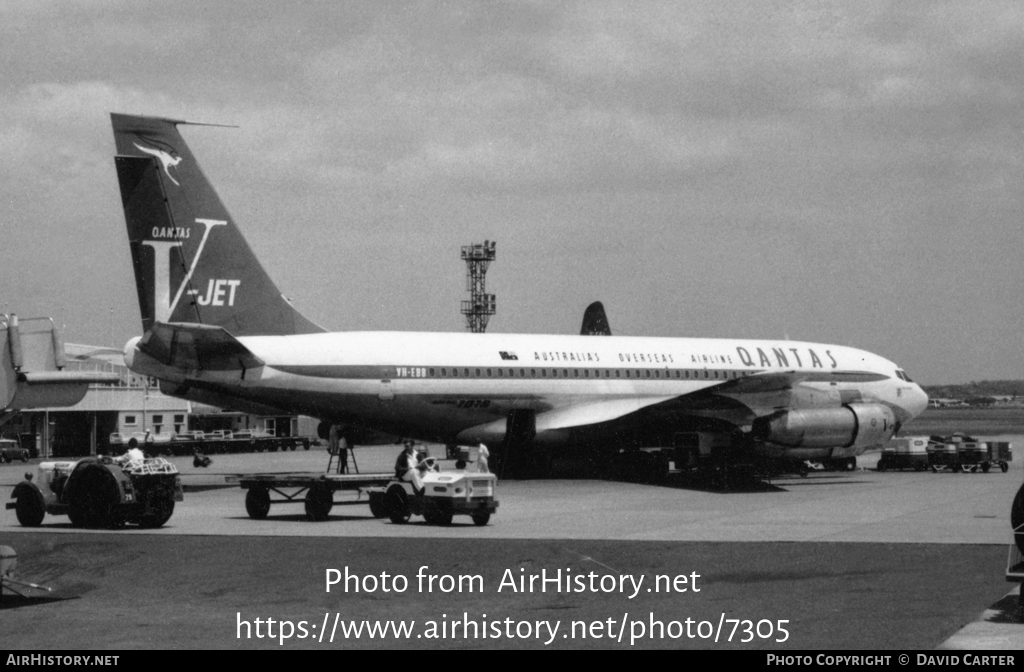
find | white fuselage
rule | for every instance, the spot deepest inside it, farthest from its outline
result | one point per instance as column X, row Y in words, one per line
column 460, row 387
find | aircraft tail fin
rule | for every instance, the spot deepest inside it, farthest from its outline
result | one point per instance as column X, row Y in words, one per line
column 595, row 322
column 192, row 263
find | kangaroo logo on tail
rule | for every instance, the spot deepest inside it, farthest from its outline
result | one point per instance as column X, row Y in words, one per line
column 166, row 159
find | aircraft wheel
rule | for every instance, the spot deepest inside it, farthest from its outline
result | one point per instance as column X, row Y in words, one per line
column 257, row 503
column 30, row 509
column 319, row 500
column 1004, row 467
column 481, row 519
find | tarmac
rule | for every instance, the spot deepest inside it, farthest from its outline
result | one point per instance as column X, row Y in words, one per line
column 850, row 560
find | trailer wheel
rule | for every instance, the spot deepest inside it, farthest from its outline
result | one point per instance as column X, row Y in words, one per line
column 985, row 466
column 319, row 500
column 481, row 519
column 257, row 503
column 397, row 505
column 94, row 498
column 30, row 509
column 377, row 509
column 163, row 509
column 1004, row 467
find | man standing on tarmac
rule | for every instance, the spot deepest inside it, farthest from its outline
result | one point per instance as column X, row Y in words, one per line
column 338, row 445
column 481, row 459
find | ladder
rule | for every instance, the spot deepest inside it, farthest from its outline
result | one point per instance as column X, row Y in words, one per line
column 338, row 465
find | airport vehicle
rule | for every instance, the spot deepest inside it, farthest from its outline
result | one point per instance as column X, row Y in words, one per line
column 445, row 494
column 11, row 451
column 960, row 452
column 218, row 331
column 315, row 491
column 910, row 452
column 99, row 492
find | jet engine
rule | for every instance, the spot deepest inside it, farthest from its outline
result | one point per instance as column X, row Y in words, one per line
column 859, row 425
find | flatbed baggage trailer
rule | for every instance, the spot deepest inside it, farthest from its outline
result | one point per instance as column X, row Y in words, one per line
column 315, row 490
column 216, row 445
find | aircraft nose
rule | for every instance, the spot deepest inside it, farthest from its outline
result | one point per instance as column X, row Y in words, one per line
column 919, row 400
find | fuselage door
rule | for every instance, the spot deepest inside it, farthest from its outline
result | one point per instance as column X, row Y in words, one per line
column 386, row 391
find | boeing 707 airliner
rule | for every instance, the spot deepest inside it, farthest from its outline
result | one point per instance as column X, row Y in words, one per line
column 218, row 331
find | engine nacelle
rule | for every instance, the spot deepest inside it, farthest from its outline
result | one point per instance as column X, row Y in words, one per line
column 859, row 425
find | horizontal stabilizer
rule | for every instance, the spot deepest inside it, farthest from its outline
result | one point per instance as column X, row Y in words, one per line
column 71, row 377
column 197, row 347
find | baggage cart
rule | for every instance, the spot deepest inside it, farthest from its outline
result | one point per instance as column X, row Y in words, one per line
column 910, row 452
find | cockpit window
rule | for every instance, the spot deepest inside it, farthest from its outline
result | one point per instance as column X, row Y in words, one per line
column 902, row 375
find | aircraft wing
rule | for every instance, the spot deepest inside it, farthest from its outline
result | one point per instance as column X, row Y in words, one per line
column 197, row 347
column 721, row 400
column 721, row 397
column 593, row 413
column 784, row 380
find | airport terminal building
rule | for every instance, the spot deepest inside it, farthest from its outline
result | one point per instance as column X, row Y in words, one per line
column 134, row 405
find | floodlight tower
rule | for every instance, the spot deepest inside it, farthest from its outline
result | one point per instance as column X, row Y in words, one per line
column 481, row 305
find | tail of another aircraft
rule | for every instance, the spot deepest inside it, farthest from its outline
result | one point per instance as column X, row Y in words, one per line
column 191, row 262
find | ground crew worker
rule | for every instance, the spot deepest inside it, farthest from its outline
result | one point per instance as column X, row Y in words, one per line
column 481, row 459
column 133, row 452
column 407, row 466
column 338, row 445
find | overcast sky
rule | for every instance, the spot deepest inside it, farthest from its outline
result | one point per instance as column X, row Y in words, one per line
column 838, row 172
